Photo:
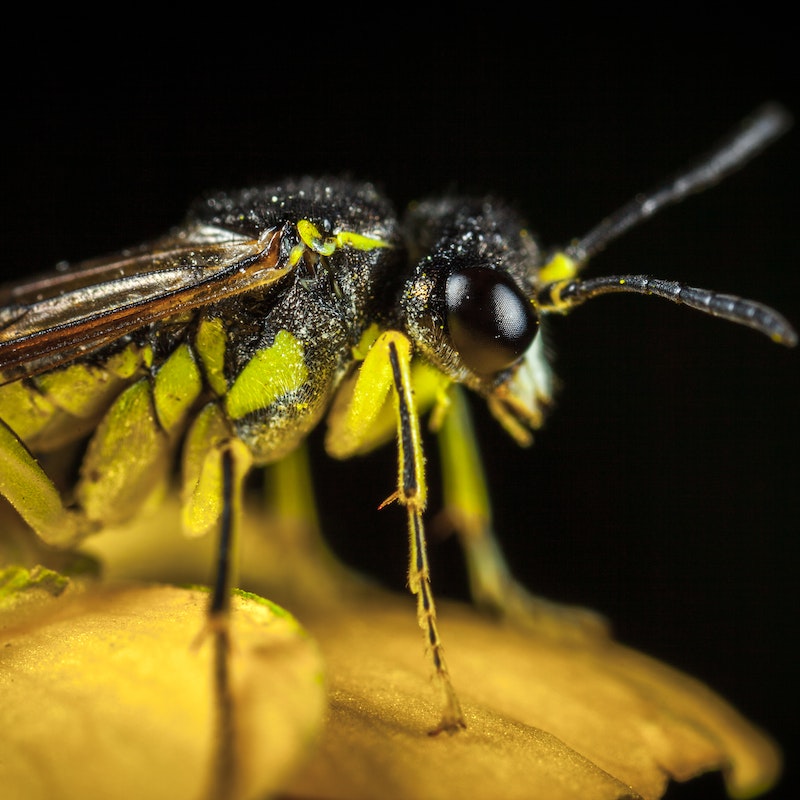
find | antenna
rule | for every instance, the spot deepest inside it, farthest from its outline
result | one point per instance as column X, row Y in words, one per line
column 758, row 131
column 563, row 290
column 564, row 295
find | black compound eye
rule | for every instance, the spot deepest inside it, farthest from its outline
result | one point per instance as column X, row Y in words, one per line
column 491, row 322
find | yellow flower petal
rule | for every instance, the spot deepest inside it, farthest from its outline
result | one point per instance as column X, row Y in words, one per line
column 110, row 693
column 547, row 717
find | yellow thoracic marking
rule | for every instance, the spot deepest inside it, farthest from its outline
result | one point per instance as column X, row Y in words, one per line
column 210, row 342
column 270, row 373
column 359, row 242
column 296, row 254
column 313, row 239
column 560, row 267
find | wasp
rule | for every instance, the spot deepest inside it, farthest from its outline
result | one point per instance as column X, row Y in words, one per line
column 231, row 338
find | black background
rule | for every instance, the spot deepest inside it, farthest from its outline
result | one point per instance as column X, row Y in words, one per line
column 664, row 490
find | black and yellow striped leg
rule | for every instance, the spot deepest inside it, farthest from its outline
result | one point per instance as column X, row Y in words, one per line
column 411, row 493
column 352, row 427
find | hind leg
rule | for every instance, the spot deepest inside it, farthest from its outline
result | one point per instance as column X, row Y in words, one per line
column 468, row 512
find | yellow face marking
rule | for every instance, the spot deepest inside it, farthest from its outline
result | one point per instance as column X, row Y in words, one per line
column 560, row 267
column 210, row 342
column 270, row 373
column 177, row 385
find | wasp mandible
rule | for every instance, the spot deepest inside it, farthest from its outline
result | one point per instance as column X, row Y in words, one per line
column 230, row 338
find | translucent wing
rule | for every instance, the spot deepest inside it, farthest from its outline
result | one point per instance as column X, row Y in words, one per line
column 55, row 318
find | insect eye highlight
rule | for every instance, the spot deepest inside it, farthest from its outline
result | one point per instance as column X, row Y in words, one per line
column 491, row 323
